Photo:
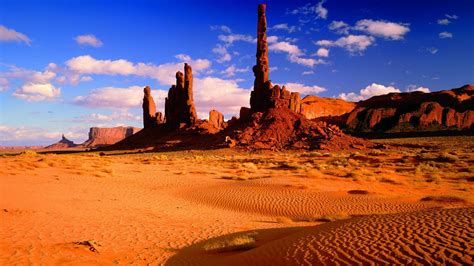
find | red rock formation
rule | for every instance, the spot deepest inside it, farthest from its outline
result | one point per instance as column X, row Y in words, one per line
column 149, row 108
column 216, row 119
column 64, row 143
column 314, row 107
column 106, row 136
column 264, row 94
column 415, row 111
column 179, row 105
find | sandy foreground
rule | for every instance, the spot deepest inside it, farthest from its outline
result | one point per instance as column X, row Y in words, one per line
column 411, row 203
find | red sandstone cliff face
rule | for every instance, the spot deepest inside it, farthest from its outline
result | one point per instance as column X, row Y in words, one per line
column 314, row 107
column 106, row 136
column 415, row 111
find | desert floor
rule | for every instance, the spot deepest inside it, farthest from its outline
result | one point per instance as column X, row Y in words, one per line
column 409, row 203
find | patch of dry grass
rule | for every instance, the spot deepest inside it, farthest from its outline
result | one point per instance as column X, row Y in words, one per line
column 235, row 243
column 444, row 199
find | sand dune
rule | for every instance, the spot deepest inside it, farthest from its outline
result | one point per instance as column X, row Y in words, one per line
column 441, row 236
column 263, row 197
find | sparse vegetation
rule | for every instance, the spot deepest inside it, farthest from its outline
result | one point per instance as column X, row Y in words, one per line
column 445, row 199
column 235, row 243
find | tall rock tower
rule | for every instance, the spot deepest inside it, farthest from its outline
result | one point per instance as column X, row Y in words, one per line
column 260, row 70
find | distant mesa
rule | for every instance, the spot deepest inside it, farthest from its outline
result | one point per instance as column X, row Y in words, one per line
column 315, row 107
column 63, row 144
column 98, row 137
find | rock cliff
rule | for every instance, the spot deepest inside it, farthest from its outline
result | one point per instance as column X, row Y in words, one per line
column 106, row 136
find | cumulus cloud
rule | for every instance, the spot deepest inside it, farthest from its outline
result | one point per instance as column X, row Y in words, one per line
column 304, row 89
column 322, row 52
column 321, row 11
column 339, row 27
column 34, row 92
column 295, row 55
column 119, row 98
column 284, row 26
column 445, row 34
column 232, row 70
column 372, row 90
column 226, row 96
column 28, row 75
column 385, row 29
column 352, row 43
column 11, row 35
column 221, row 50
column 88, row 40
column 164, row 73
column 412, row 88
column 285, row 47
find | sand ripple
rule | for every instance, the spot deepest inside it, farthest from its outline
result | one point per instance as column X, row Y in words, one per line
column 292, row 201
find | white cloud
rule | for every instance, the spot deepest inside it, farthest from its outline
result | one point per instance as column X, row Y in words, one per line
column 339, row 27
column 322, row 52
column 11, row 35
column 412, row 88
column 224, row 55
column 372, row 90
column 88, row 40
column 444, row 21
column 312, row 11
column 321, row 11
column 34, row 92
column 432, row 50
column 4, row 84
column 451, row 16
column 307, row 72
column 285, row 47
column 223, row 95
column 447, row 20
column 27, row 75
column 445, row 34
column 385, row 29
column 11, row 135
column 272, row 39
column 122, row 115
column 232, row 70
column 223, row 28
column 352, row 43
column 294, row 54
column 164, row 73
column 284, row 26
column 120, row 98
column 231, row 38
column 304, row 89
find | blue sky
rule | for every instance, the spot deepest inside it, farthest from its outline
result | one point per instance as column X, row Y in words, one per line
column 68, row 65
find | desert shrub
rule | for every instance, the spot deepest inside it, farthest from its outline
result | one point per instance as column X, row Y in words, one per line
column 323, row 218
column 447, row 157
column 244, row 242
column 358, row 192
column 29, row 153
